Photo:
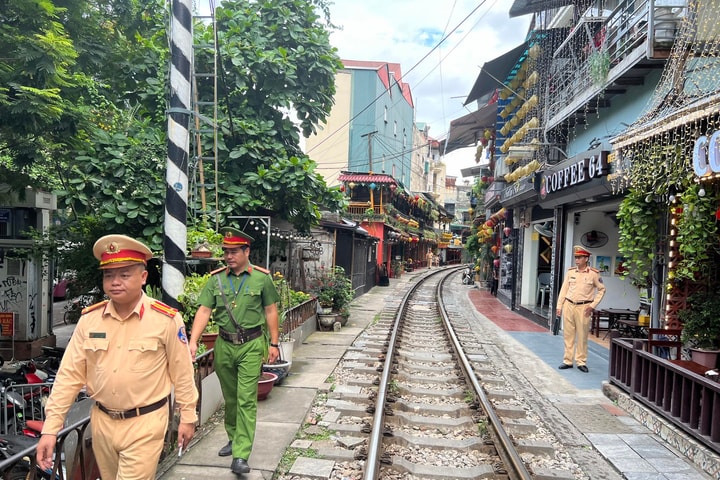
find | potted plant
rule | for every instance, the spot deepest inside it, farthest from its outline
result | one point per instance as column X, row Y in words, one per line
column 701, row 327
column 334, row 291
column 204, row 242
column 326, row 300
column 188, row 299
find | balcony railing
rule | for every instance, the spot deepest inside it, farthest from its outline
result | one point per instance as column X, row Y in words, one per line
column 361, row 208
column 620, row 38
column 688, row 400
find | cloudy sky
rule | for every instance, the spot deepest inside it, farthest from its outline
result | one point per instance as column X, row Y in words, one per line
column 406, row 32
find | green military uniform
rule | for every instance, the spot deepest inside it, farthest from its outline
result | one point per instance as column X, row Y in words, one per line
column 239, row 366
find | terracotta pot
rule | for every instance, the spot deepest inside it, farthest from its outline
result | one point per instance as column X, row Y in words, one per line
column 209, row 339
column 707, row 358
column 265, row 384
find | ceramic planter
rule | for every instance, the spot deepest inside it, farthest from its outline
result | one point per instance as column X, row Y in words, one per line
column 265, row 384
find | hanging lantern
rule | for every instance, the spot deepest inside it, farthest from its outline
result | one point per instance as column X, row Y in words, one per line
column 508, row 248
column 393, row 187
column 494, row 249
column 342, row 188
column 372, row 186
column 351, row 185
column 507, row 231
column 496, row 262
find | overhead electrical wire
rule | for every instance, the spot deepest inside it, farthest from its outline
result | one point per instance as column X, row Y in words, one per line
column 442, row 40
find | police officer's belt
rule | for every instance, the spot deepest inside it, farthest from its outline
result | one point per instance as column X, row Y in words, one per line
column 242, row 335
column 579, row 303
column 134, row 412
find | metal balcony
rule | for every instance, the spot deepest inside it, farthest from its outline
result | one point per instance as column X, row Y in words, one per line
column 605, row 53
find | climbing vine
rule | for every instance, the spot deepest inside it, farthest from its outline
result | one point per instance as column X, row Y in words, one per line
column 697, row 232
column 638, row 236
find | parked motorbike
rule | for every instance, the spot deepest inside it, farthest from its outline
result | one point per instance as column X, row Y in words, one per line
column 10, row 446
column 467, row 275
column 24, row 390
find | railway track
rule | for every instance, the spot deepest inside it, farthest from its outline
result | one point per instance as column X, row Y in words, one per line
column 418, row 396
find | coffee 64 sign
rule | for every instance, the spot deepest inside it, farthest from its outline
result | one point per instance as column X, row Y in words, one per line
column 575, row 171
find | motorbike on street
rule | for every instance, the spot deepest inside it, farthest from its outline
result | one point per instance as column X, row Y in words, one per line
column 467, row 275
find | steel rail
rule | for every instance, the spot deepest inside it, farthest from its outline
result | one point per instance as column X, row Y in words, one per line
column 372, row 469
column 508, row 452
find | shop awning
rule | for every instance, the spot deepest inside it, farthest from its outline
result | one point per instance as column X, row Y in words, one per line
column 466, row 131
column 494, row 73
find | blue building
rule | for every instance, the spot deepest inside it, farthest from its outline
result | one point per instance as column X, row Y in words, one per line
column 370, row 128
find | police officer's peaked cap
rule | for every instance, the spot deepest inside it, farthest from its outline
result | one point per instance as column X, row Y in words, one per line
column 115, row 251
column 232, row 237
column 580, row 251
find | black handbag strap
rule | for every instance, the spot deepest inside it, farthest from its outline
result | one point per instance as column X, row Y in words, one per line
column 227, row 307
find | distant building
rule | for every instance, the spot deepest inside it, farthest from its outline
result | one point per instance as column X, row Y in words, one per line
column 370, row 128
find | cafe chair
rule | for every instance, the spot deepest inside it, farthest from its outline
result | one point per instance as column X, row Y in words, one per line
column 542, row 288
column 665, row 342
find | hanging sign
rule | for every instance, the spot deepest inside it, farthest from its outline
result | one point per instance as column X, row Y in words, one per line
column 580, row 169
column 7, row 324
column 706, row 155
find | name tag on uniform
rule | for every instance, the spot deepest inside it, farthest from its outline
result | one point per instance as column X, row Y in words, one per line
column 97, row 334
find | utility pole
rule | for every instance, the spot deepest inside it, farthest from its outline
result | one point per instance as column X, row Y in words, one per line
column 369, row 137
column 176, row 192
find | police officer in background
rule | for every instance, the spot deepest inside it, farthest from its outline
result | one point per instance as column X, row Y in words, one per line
column 581, row 292
column 243, row 301
column 129, row 351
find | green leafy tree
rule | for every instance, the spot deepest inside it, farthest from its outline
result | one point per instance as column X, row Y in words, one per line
column 83, row 109
column 275, row 57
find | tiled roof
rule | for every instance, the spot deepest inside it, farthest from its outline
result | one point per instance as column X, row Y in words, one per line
column 365, row 178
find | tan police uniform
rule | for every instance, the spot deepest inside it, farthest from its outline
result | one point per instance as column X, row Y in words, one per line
column 580, row 290
column 129, row 367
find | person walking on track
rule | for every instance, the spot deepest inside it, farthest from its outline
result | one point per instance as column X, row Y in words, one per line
column 243, row 301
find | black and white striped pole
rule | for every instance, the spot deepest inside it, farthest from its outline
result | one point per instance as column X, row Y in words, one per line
column 176, row 194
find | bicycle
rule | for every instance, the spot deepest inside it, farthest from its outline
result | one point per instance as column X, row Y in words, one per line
column 73, row 308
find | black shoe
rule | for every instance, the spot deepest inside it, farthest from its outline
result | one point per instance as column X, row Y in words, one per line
column 564, row 366
column 240, row 465
column 583, row 368
column 225, row 451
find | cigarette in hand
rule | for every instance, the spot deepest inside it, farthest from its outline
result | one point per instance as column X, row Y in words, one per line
column 180, row 450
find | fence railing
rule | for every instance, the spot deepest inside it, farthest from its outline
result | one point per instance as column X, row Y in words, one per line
column 688, row 400
column 298, row 315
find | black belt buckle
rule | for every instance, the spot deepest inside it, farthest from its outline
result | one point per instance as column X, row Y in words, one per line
column 240, row 337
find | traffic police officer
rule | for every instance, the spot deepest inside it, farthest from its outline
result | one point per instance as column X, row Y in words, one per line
column 243, row 301
column 581, row 291
column 129, row 351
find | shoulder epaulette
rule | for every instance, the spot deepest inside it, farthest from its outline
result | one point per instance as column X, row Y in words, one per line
column 594, row 270
column 94, row 307
column 261, row 269
column 218, row 270
column 166, row 310
column 572, row 268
